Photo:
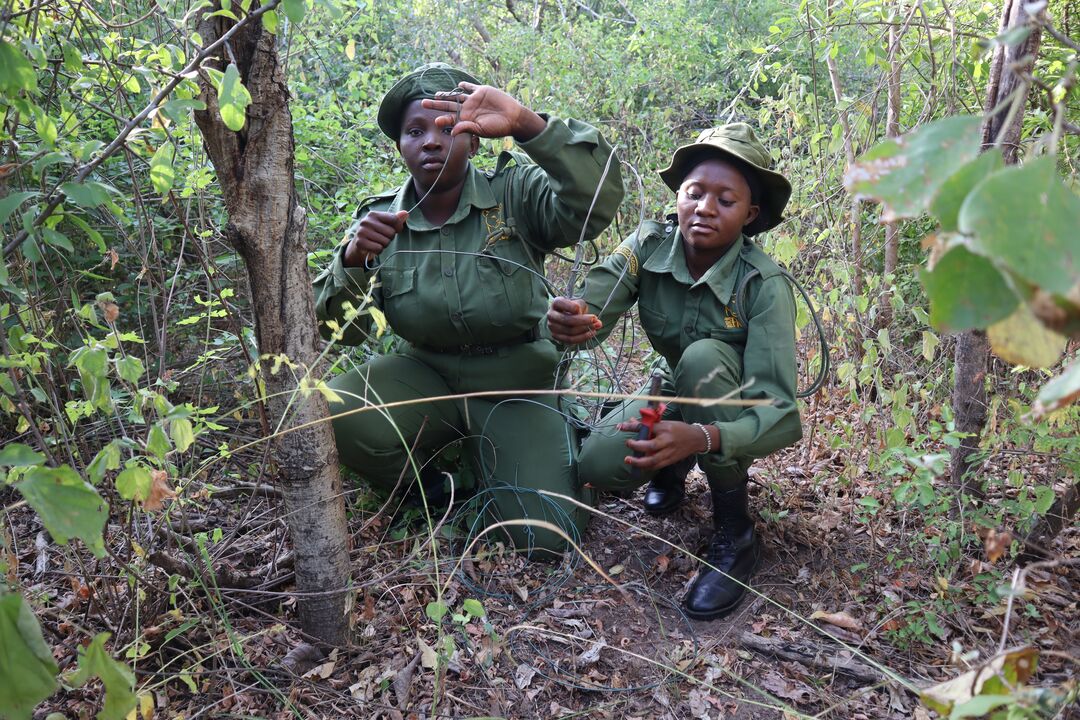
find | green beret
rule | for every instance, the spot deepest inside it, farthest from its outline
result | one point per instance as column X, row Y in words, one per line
column 423, row 82
column 738, row 141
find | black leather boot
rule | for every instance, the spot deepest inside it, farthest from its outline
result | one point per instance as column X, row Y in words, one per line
column 733, row 550
column 666, row 490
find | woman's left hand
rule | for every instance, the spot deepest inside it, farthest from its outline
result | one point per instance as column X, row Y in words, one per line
column 485, row 111
column 671, row 442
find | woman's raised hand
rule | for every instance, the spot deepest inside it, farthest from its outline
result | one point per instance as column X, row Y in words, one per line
column 485, row 111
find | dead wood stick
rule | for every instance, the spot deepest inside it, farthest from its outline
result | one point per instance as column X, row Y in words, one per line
column 811, row 654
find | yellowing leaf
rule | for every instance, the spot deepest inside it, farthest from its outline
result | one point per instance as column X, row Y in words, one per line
column 380, row 321
column 350, row 49
column 1000, row 674
column 1022, row 340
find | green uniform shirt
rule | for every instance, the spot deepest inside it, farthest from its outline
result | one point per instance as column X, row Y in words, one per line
column 675, row 310
column 469, row 281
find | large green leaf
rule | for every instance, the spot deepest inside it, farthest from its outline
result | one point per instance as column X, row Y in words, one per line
column 88, row 195
column 233, row 99
column 162, row 174
column 27, row 669
column 133, row 482
column 1027, row 221
column 951, row 195
column 966, row 291
column 11, row 203
column 905, row 173
column 19, row 455
column 294, row 9
column 68, row 505
column 16, row 72
column 117, row 677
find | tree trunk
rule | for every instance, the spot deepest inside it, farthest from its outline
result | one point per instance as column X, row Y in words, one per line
column 1009, row 71
column 267, row 227
column 892, row 229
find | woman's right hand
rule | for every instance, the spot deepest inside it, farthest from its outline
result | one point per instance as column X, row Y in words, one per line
column 569, row 323
column 371, row 236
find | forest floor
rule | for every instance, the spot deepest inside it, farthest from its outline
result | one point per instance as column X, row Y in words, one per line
column 851, row 611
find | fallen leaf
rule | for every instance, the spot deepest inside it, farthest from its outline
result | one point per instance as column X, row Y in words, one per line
column 523, row 676
column 592, row 655
column 114, row 258
column 996, row 543
column 839, row 619
column 999, row 675
column 428, row 657
column 786, row 688
column 324, row 670
column 660, row 564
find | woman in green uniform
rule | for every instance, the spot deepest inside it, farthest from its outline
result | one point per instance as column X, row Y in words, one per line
column 722, row 317
column 454, row 260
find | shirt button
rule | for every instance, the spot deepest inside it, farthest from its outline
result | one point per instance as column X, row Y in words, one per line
column 689, row 329
column 448, row 271
column 445, row 231
column 455, row 315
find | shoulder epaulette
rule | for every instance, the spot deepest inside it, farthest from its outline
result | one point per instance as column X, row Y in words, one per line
column 370, row 200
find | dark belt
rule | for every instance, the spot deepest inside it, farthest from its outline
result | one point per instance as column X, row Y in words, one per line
column 489, row 349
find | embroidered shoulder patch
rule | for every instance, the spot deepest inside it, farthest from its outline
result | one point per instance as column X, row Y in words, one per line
column 731, row 320
column 631, row 258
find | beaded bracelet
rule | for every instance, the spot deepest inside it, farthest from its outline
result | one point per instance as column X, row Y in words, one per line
column 708, row 437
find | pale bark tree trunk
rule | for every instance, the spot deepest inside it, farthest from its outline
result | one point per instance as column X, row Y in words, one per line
column 267, row 226
column 892, row 129
column 1009, row 71
column 849, row 155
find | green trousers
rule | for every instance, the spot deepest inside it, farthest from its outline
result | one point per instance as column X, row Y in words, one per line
column 707, row 369
column 517, row 445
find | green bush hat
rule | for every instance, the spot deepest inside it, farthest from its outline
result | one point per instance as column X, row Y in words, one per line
column 423, row 82
column 738, row 141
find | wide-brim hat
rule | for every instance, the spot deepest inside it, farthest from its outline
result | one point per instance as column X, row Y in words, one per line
column 423, row 82
column 735, row 140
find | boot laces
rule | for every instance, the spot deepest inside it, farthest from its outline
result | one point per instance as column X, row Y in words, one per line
column 722, row 548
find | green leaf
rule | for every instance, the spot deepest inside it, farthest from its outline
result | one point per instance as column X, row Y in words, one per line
column 162, row 174
column 130, row 368
column 294, row 9
column 108, row 458
column 950, row 197
column 57, row 239
column 1026, row 220
column 27, row 669
column 966, row 291
column 119, row 680
column 233, row 99
column 11, row 203
column 19, row 455
column 1022, row 340
column 134, row 482
column 68, row 505
column 473, row 607
column 270, row 21
column 979, row 706
column 182, row 434
column 905, row 173
column 178, row 108
column 46, row 128
column 157, row 442
column 16, row 72
column 435, row 610
column 1044, row 499
column 1059, row 392
column 88, row 195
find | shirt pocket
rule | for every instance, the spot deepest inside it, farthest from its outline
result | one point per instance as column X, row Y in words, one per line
column 398, row 293
column 654, row 324
column 507, row 285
